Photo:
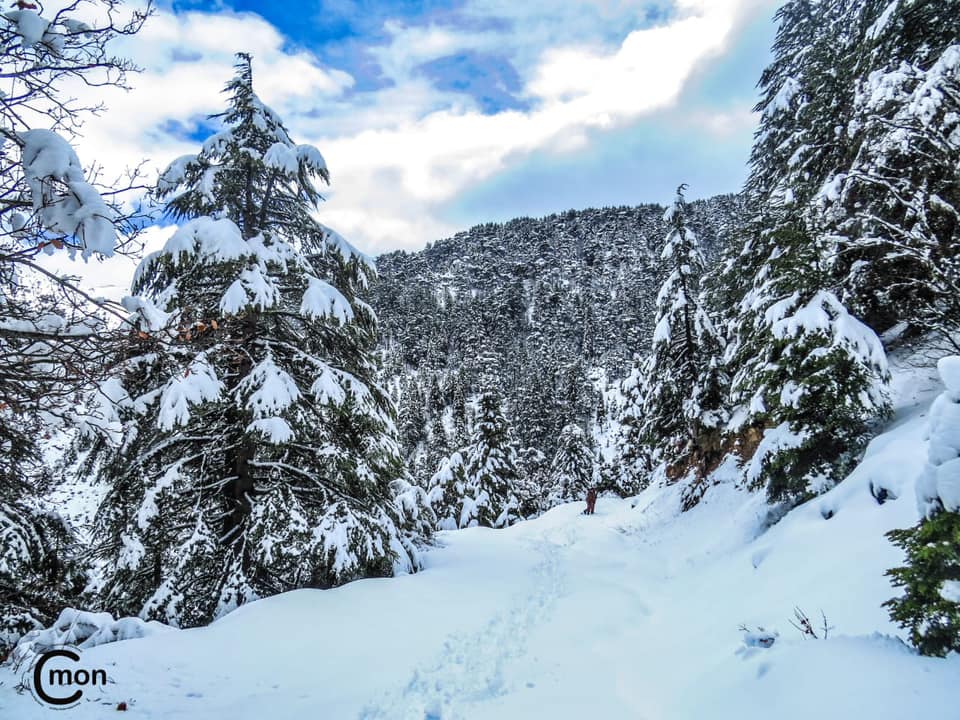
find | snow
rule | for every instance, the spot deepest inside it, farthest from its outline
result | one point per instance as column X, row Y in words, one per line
column 80, row 211
column 275, row 429
column 175, row 173
column 46, row 154
column 328, row 386
column 311, row 157
column 30, row 26
column 825, row 315
column 280, row 156
column 271, row 390
column 84, row 630
column 939, row 486
column 347, row 252
column 323, row 300
column 260, row 287
column 774, row 440
column 636, row 612
column 198, row 384
column 759, row 638
column 875, row 30
column 142, row 308
column 234, row 299
column 214, row 239
column 784, row 97
column 102, row 414
column 949, row 369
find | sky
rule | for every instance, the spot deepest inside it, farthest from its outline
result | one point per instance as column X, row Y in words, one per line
column 437, row 115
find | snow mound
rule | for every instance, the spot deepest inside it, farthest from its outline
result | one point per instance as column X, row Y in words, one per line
column 83, row 630
column 939, row 488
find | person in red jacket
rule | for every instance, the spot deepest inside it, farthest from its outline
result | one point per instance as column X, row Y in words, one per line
column 591, row 501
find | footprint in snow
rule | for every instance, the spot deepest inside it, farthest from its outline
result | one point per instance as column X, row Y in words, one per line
column 470, row 667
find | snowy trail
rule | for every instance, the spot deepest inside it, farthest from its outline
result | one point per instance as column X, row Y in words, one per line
column 470, row 668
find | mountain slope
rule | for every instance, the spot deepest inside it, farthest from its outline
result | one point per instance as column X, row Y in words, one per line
column 539, row 310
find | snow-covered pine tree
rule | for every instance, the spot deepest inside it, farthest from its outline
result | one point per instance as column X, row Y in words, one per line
column 633, row 466
column 40, row 572
column 930, row 605
column 259, row 455
column 893, row 204
column 446, row 492
column 571, row 472
column 438, row 445
column 858, row 142
column 477, row 484
column 681, row 402
column 531, row 489
column 809, row 377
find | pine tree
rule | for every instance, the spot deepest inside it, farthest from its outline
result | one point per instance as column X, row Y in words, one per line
column 571, row 472
column 259, row 455
column 477, row 484
column 857, row 144
column 40, row 571
column 892, row 203
column 809, row 376
column 633, row 466
column 532, row 484
column 681, row 401
column 446, row 492
column 930, row 606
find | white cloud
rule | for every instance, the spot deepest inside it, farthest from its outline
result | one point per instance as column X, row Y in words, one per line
column 400, row 154
column 575, row 90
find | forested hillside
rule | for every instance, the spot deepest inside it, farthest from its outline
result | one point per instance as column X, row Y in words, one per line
column 539, row 310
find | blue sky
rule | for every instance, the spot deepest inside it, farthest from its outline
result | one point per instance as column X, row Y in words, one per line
column 437, row 115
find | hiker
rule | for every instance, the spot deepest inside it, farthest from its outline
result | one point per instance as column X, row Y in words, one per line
column 591, row 501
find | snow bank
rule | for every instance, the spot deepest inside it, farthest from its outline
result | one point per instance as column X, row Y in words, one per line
column 939, row 487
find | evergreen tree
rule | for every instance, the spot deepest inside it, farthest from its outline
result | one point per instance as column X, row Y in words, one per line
column 810, row 377
column 857, row 145
column 571, row 472
column 892, row 205
column 633, row 465
column 40, row 572
column 477, row 484
column 412, row 418
column 930, row 605
column 681, row 400
column 447, row 491
column 259, row 455
column 532, row 486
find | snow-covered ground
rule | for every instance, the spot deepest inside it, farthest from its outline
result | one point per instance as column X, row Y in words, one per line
column 631, row 613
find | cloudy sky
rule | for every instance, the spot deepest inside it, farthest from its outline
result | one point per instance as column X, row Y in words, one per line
column 436, row 115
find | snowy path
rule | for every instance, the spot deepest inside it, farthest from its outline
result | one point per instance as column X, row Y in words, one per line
column 470, row 668
column 632, row 614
